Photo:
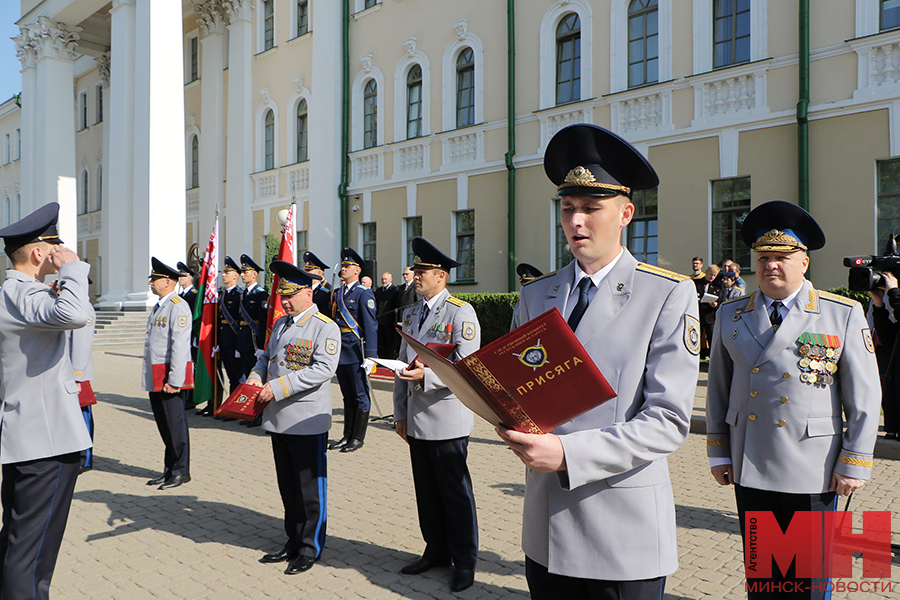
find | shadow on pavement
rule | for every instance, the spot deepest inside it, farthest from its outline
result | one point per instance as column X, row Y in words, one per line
column 695, row 517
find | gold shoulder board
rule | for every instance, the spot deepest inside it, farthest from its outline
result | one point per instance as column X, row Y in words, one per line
column 744, row 297
column 836, row 298
column 665, row 273
column 177, row 299
column 544, row 276
column 323, row 318
column 456, row 301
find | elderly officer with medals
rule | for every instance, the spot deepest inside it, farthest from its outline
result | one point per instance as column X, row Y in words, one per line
column 297, row 366
column 599, row 510
column 42, row 433
column 435, row 424
column 321, row 295
column 353, row 309
column 167, row 370
column 787, row 363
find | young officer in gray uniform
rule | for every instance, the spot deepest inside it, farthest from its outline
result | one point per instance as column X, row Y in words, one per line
column 436, row 425
column 599, row 512
column 297, row 366
column 42, row 433
column 167, row 369
column 787, row 363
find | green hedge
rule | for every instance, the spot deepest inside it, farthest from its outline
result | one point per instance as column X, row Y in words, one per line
column 494, row 313
column 861, row 297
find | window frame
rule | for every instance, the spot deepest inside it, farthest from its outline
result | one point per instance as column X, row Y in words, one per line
column 268, row 154
column 82, row 110
column 419, row 103
column 882, row 196
column 99, row 191
column 414, row 223
column 641, row 216
column 368, row 236
column 194, row 57
column 737, row 251
column 652, row 7
column 462, row 273
column 732, row 40
column 574, row 81
column 448, row 80
column 195, row 162
column 881, row 11
column 468, row 67
column 370, row 117
column 301, row 134
column 562, row 255
column 547, row 57
column 267, row 25
column 84, row 196
column 301, row 19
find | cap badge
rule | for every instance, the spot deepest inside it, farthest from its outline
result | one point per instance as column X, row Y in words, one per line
column 580, row 175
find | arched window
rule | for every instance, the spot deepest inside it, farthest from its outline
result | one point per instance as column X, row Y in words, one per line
column 643, row 42
column 414, row 102
column 465, row 88
column 268, row 24
column 731, row 32
column 302, row 131
column 195, row 162
column 568, row 59
column 85, row 194
column 890, row 14
column 99, row 188
column 269, row 149
column 370, row 115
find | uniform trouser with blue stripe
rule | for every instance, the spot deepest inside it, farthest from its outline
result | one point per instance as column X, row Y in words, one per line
column 300, row 466
column 168, row 410
column 89, row 422
column 36, row 496
column 354, row 387
column 445, row 500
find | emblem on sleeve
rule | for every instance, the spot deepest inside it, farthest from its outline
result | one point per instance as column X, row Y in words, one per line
column 370, row 303
column 692, row 334
column 867, row 338
column 468, row 331
column 331, row 346
column 182, row 321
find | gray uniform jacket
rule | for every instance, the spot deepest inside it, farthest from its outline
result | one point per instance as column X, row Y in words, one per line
column 40, row 415
column 611, row 514
column 299, row 364
column 81, row 343
column 783, row 434
column 430, row 409
column 168, row 342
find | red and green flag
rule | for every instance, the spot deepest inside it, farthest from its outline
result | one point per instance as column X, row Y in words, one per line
column 285, row 253
column 205, row 319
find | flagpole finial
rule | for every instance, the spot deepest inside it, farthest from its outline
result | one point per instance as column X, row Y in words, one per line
column 217, row 211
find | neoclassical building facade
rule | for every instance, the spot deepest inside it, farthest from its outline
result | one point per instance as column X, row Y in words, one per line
column 386, row 119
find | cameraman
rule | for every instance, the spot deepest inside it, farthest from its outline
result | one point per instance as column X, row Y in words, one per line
column 888, row 365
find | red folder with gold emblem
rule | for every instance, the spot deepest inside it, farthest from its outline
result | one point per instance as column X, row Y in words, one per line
column 86, row 395
column 532, row 379
column 242, row 404
column 161, row 376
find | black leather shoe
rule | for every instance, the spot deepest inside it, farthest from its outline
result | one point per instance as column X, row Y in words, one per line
column 423, row 564
column 277, row 557
column 175, row 481
column 338, row 444
column 206, row 412
column 255, row 422
column 227, row 419
column 157, row 480
column 352, row 446
column 300, row 564
column 462, row 579
column 85, row 470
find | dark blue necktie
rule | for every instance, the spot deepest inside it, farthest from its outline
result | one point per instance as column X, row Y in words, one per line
column 584, row 288
column 424, row 316
column 775, row 317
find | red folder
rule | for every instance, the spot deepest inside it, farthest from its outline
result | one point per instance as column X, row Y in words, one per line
column 161, row 375
column 242, row 403
column 86, row 395
column 531, row 380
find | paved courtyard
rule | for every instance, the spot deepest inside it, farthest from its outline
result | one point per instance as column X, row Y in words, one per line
column 202, row 540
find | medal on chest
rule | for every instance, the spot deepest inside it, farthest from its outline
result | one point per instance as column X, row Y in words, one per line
column 819, row 354
column 441, row 331
column 297, row 355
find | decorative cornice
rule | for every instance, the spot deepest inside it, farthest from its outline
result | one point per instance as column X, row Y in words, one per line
column 46, row 38
column 366, row 60
column 461, row 26
column 211, row 16
column 237, row 10
column 103, row 64
column 410, row 45
column 117, row 3
column 25, row 51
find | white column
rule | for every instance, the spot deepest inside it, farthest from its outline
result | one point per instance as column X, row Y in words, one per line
column 212, row 110
column 117, row 219
column 103, row 66
column 52, row 138
column 239, row 190
column 325, row 132
column 26, row 52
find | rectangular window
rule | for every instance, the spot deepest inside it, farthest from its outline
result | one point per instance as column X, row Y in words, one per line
column 465, row 245
column 888, row 201
column 730, row 206
column 371, row 3
column 643, row 233
column 302, row 242
column 98, row 106
column 195, row 58
column 561, row 252
column 369, row 238
column 302, row 17
column 268, row 24
column 18, row 144
column 413, row 229
column 7, row 156
column 465, row 89
column 731, row 32
column 890, row 14
column 82, row 111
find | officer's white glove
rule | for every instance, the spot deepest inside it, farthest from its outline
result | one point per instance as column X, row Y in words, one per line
column 237, row 354
column 368, row 366
column 259, row 353
column 215, row 350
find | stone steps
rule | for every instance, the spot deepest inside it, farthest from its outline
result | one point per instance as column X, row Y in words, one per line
column 117, row 327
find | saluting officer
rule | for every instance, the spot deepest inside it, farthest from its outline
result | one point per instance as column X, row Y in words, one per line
column 229, row 324
column 321, row 292
column 43, row 433
column 353, row 309
column 788, row 363
column 297, row 366
column 435, row 423
column 167, row 370
column 254, row 312
column 599, row 510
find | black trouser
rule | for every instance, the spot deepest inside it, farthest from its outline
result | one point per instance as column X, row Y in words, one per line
column 168, row 410
column 445, row 500
column 232, row 365
column 387, row 338
column 890, row 388
column 544, row 585
column 248, row 361
column 301, row 468
column 354, row 387
column 36, row 496
column 783, row 506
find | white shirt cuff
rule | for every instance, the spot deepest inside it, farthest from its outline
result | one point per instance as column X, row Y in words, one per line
column 718, row 462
